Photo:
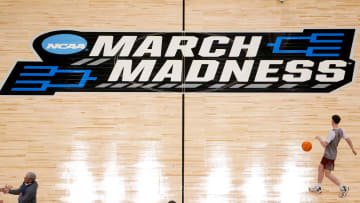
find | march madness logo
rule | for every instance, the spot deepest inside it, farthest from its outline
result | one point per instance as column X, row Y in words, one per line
column 315, row 60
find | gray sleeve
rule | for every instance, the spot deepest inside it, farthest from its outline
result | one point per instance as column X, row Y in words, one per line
column 15, row 192
column 30, row 193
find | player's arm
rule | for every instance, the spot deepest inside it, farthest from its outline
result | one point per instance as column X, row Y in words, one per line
column 348, row 140
column 351, row 145
column 329, row 138
column 323, row 143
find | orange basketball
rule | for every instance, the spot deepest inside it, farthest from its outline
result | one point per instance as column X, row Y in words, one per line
column 306, row 146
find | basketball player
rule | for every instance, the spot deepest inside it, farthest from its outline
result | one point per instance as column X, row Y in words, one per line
column 328, row 161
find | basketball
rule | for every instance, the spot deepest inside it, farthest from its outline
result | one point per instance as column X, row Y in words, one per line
column 306, row 146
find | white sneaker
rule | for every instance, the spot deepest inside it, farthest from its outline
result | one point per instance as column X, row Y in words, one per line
column 315, row 189
column 344, row 191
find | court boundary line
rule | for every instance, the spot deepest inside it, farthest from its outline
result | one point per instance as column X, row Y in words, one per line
column 183, row 113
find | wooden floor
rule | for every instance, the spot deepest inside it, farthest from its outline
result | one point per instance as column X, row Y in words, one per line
column 116, row 147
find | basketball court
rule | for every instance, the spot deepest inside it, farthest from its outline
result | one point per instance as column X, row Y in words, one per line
column 181, row 146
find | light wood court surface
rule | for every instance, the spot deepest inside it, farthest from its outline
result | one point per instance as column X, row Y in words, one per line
column 116, row 147
column 89, row 147
column 247, row 147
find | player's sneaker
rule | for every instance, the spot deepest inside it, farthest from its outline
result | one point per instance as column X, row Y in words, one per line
column 315, row 189
column 344, row 191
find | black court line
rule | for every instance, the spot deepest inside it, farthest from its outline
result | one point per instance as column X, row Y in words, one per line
column 183, row 15
column 183, row 113
column 183, row 146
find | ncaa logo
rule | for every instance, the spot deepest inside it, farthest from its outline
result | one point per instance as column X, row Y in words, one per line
column 64, row 44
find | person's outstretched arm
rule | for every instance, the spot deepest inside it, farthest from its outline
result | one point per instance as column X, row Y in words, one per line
column 351, row 145
column 14, row 192
column 322, row 142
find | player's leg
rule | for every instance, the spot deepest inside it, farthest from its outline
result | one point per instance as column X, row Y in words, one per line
column 343, row 189
column 317, row 188
column 320, row 173
column 331, row 177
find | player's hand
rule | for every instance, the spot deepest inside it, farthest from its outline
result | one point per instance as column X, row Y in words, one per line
column 8, row 187
column 355, row 153
column 318, row 138
column 4, row 190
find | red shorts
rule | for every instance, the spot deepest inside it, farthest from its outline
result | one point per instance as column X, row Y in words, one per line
column 328, row 163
